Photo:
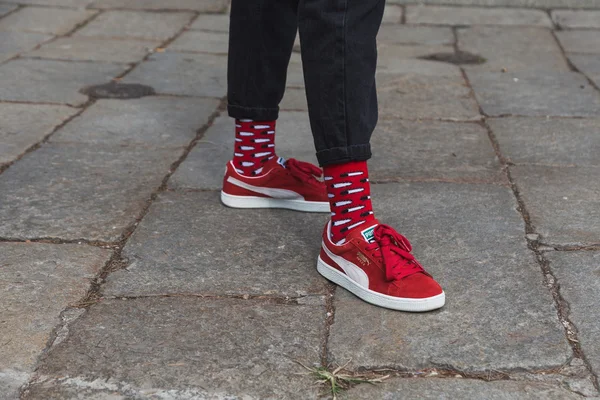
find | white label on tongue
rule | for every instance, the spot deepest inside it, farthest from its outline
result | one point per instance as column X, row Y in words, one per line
column 281, row 161
column 368, row 234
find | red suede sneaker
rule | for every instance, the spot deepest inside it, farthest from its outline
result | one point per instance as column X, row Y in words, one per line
column 375, row 264
column 290, row 184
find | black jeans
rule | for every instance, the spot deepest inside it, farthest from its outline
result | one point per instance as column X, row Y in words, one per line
column 339, row 56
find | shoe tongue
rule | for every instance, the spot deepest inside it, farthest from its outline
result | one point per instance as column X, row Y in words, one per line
column 365, row 233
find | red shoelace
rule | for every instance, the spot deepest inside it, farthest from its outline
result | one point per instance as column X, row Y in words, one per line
column 304, row 171
column 395, row 250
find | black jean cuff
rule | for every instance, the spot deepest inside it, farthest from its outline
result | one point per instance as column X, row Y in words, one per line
column 339, row 155
column 255, row 113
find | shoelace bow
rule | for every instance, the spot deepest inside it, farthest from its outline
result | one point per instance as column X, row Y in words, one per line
column 302, row 170
column 395, row 250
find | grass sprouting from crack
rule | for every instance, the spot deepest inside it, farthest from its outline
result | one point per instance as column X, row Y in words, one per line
column 339, row 379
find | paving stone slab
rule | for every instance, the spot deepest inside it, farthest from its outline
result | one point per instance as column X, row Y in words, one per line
column 578, row 274
column 575, row 19
column 136, row 25
column 433, row 150
column 439, row 15
column 563, row 203
column 415, row 35
column 464, row 389
column 14, row 43
column 416, row 96
column 57, row 21
column 392, row 15
column 588, row 64
column 512, row 49
column 155, row 121
column 23, row 125
column 184, row 74
column 194, row 5
column 80, row 192
column 294, row 100
column 295, row 74
column 393, row 65
column 580, row 41
column 211, row 22
column 403, row 52
column 203, row 42
column 6, row 8
column 182, row 247
column 556, row 142
column 54, row 3
column 52, row 81
column 511, row 3
column 38, row 282
column 189, row 348
column 530, row 93
column 498, row 314
column 92, row 49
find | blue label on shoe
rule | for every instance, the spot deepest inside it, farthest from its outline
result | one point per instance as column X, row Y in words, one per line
column 281, row 161
column 368, row 234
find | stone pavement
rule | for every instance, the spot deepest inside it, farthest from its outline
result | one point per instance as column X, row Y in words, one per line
column 123, row 277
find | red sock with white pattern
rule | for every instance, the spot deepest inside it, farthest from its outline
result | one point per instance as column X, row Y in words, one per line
column 349, row 194
column 254, row 145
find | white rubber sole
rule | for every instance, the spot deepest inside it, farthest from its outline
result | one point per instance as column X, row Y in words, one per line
column 378, row 299
column 231, row 200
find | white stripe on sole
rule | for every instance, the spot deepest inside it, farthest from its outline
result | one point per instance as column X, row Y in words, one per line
column 378, row 299
column 234, row 201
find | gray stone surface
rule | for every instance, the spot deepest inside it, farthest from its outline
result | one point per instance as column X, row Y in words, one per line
column 564, row 142
column 156, row 121
column 471, row 238
column 588, row 64
column 512, row 49
column 417, row 96
column 13, row 43
column 194, row 5
column 403, row 51
column 211, row 22
column 52, row 81
column 433, row 150
column 200, row 41
column 189, row 348
column 392, row 14
column 80, row 192
column 186, row 74
column 6, row 8
column 509, row 3
column 136, row 24
column 575, row 19
column 38, row 282
column 464, row 389
column 52, row 3
column 578, row 274
column 23, row 125
column 57, row 21
column 439, row 15
column 181, row 247
column 415, row 35
column 531, row 93
column 294, row 100
column 92, row 49
column 409, row 66
column 563, row 203
column 587, row 41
